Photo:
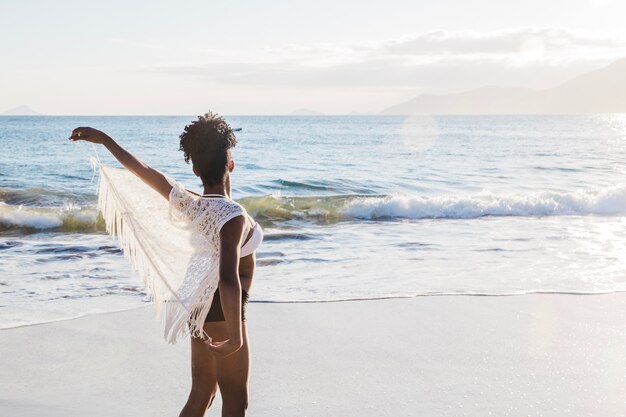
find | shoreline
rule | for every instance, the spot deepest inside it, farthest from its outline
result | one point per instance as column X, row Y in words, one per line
column 439, row 356
column 87, row 314
column 346, row 300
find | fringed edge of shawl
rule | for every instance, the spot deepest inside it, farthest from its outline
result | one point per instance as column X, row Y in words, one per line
column 178, row 315
column 180, row 321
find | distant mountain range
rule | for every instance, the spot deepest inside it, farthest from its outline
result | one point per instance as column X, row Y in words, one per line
column 20, row 111
column 601, row 91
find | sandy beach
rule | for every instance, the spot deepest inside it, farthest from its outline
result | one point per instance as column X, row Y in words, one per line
column 537, row 355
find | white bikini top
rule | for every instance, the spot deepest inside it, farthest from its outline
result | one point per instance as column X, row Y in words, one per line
column 254, row 242
column 257, row 233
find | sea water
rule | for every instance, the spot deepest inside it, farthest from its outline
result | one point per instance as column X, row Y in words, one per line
column 353, row 207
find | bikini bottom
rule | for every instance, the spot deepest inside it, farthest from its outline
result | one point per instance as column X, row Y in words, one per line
column 216, row 313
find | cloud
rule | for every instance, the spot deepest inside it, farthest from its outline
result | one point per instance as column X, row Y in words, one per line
column 437, row 61
column 560, row 41
column 550, row 43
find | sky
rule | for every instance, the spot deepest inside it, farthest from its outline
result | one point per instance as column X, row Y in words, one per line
column 274, row 56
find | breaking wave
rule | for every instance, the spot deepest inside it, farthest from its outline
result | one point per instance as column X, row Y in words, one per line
column 611, row 200
column 63, row 219
column 270, row 208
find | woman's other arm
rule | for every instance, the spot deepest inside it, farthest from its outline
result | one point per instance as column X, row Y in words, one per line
column 146, row 173
column 231, row 235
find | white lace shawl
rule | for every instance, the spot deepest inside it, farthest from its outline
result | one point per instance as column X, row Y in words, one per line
column 174, row 247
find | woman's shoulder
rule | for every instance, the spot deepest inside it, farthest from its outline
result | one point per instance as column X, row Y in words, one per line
column 208, row 215
column 226, row 206
column 222, row 210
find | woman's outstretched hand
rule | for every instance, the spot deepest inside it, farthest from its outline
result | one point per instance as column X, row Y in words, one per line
column 88, row 134
column 224, row 348
column 153, row 177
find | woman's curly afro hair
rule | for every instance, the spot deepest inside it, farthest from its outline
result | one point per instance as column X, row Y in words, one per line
column 207, row 143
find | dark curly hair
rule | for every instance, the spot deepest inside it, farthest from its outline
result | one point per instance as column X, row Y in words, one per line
column 207, row 143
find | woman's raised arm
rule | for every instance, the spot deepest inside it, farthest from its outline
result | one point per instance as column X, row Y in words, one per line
column 149, row 175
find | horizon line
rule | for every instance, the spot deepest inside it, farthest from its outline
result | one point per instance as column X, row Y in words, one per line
column 316, row 115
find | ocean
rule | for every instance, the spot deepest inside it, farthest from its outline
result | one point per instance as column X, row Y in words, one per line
column 353, row 207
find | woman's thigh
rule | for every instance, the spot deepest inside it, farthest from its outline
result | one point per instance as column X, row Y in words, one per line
column 203, row 372
column 232, row 371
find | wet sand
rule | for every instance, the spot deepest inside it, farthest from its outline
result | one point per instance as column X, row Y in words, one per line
column 428, row 356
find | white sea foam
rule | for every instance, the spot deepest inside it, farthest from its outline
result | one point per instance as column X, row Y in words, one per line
column 46, row 218
column 611, row 200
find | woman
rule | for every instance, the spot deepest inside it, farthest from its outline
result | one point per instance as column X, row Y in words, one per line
column 207, row 142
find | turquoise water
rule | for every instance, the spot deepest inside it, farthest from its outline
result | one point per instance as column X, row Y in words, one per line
column 353, row 207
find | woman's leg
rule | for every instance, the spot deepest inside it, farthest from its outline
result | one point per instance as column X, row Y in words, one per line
column 203, row 380
column 232, row 372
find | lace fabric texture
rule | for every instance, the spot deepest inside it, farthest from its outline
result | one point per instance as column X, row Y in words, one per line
column 174, row 245
column 205, row 218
